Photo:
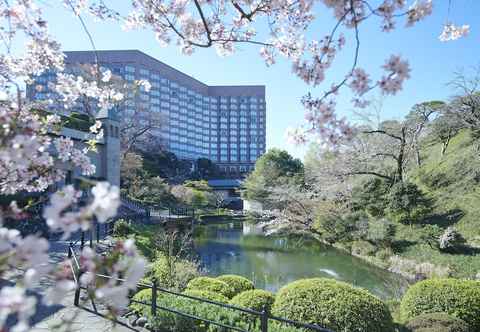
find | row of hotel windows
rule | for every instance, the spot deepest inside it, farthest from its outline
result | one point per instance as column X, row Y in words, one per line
column 158, row 81
column 213, row 149
column 199, row 100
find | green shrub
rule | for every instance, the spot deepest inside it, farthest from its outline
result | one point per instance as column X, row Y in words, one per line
column 363, row 248
column 381, row 232
column 174, row 274
column 458, row 298
column 333, row 304
column 437, row 322
column 204, row 294
column 370, row 196
column 407, row 203
column 122, row 228
column 145, row 295
column 212, row 285
column 238, row 283
column 255, row 299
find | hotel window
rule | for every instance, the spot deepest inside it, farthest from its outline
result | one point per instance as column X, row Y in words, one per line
column 129, row 69
column 144, row 72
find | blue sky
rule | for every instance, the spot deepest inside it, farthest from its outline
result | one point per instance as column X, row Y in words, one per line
column 432, row 61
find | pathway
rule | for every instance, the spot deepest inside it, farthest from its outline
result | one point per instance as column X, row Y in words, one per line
column 83, row 318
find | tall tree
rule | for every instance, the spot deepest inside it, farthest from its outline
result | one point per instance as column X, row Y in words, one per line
column 417, row 119
column 273, row 168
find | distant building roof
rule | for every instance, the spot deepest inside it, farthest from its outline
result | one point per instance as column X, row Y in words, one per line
column 225, row 183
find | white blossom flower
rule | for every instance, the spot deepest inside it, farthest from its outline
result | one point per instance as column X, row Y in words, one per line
column 106, row 76
column 453, row 32
column 106, row 201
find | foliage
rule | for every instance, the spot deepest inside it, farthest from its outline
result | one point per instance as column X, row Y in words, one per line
column 381, row 231
column 407, row 203
column 212, row 285
column 174, row 274
column 362, row 248
column 255, row 299
column 194, row 193
column 206, row 169
column 371, row 196
column 205, row 294
column 151, row 191
column 122, row 228
column 145, row 295
column 451, row 240
column 165, row 164
column 273, row 168
column 238, row 283
column 437, row 322
column 459, row 298
column 336, row 305
column 430, row 235
column 336, row 226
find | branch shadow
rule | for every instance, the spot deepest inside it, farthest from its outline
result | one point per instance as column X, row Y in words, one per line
column 446, row 219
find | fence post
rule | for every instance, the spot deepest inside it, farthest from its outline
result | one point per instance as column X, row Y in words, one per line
column 98, row 232
column 154, row 297
column 82, row 241
column 264, row 320
column 76, row 300
column 70, row 249
column 91, row 238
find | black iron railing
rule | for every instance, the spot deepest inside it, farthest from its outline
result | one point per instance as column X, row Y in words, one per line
column 263, row 317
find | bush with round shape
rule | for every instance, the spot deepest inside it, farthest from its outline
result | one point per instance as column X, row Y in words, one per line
column 437, row 322
column 122, row 228
column 238, row 283
column 255, row 299
column 458, row 298
column 332, row 304
column 205, row 294
column 212, row 285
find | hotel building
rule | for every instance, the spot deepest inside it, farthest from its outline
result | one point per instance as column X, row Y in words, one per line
column 225, row 124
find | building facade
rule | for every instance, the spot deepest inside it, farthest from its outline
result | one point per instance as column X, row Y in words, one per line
column 225, row 124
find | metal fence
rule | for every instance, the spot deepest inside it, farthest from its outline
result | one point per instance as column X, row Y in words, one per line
column 264, row 318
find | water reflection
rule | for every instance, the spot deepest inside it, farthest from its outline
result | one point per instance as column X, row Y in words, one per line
column 271, row 262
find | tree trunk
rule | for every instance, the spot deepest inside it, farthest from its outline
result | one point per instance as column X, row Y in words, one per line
column 445, row 145
column 401, row 156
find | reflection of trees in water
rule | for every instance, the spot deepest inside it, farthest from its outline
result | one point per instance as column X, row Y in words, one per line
column 271, row 262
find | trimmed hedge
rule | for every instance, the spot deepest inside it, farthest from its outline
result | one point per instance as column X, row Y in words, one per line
column 458, row 298
column 212, row 285
column 255, row 299
column 238, row 283
column 332, row 304
column 204, row 294
column 145, row 295
column 437, row 322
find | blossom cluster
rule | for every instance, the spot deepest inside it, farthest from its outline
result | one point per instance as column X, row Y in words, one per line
column 124, row 268
column 453, row 32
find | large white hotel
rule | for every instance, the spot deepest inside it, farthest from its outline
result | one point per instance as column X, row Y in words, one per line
column 225, row 124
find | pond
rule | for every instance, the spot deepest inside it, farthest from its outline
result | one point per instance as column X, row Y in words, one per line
column 271, row 262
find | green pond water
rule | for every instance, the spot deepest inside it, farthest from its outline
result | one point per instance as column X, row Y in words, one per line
column 271, row 262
